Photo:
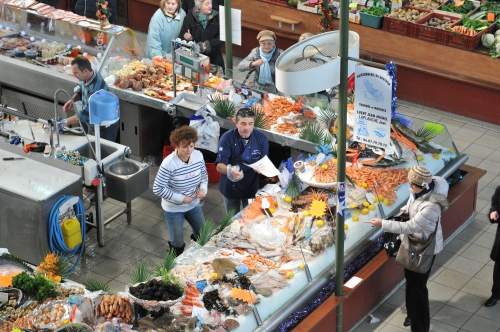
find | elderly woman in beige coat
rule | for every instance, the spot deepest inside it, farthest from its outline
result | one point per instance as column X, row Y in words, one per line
column 427, row 200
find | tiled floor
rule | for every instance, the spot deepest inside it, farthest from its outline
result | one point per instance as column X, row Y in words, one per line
column 461, row 277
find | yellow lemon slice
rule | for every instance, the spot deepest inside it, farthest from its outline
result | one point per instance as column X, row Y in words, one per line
column 355, row 218
column 346, row 227
column 289, row 275
column 420, row 158
column 371, row 207
column 305, row 213
column 363, row 184
column 214, row 276
column 365, row 211
column 366, row 204
column 386, row 202
column 288, row 199
column 353, row 206
column 324, row 167
column 320, row 223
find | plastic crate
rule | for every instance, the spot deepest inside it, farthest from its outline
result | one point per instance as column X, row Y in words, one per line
column 401, row 27
column 167, row 150
column 458, row 40
column 213, row 175
column 430, row 33
column 371, row 20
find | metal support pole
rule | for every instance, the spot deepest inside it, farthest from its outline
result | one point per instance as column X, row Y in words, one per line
column 229, row 39
column 99, row 189
column 342, row 107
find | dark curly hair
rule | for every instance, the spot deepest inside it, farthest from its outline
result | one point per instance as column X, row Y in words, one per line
column 184, row 134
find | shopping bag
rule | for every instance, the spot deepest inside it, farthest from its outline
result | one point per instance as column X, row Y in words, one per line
column 208, row 130
column 392, row 241
column 416, row 254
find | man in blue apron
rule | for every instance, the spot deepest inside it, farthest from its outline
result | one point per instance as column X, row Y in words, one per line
column 237, row 147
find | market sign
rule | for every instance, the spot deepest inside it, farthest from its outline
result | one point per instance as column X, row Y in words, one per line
column 372, row 106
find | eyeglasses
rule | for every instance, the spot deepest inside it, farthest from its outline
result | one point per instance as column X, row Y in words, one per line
column 415, row 185
column 245, row 112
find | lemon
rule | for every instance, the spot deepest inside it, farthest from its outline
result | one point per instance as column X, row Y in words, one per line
column 371, row 207
column 288, row 199
column 66, row 322
column 272, row 210
column 375, row 200
column 355, row 218
column 276, row 203
column 363, row 184
column 409, row 169
column 420, row 157
column 214, row 276
column 335, row 159
column 386, row 202
column 366, row 204
column 56, row 278
column 365, row 211
column 353, row 206
column 305, row 213
column 324, row 167
column 435, row 156
column 289, row 274
column 452, row 150
column 320, row 223
column 346, row 227
column 302, row 266
column 380, row 198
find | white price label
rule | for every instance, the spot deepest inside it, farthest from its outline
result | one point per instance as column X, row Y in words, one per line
column 4, row 297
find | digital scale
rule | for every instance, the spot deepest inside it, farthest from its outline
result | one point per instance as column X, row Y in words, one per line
column 191, row 64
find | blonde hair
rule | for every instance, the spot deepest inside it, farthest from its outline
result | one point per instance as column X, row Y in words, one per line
column 162, row 4
column 305, row 35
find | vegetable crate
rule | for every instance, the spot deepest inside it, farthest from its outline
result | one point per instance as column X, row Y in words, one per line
column 458, row 40
column 399, row 26
column 432, row 34
column 371, row 20
column 307, row 7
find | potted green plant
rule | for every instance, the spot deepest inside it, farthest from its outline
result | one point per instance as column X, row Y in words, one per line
column 372, row 16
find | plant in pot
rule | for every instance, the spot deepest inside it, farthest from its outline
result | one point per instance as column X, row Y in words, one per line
column 372, row 16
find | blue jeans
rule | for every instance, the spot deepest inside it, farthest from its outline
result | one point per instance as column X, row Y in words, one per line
column 175, row 223
column 234, row 204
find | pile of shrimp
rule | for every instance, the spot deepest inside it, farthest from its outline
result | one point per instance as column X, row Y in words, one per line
column 383, row 182
column 327, row 175
column 280, row 106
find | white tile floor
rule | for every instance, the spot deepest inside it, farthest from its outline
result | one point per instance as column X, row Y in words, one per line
column 461, row 277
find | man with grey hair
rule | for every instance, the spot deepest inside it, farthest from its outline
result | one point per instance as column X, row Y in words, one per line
column 239, row 147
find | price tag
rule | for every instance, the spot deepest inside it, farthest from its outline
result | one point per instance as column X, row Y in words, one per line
column 242, row 269
column 4, row 297
column 459, row 3
column 353, row 5
column 491, row 17
column 313, row 1
column 201, row 284
column 369, row 4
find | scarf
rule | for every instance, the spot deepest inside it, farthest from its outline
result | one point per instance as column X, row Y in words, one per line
column 202, row 18
column 425, row 191
column 174, row 15
column 265, row 76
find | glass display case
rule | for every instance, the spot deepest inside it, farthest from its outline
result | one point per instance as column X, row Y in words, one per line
column 57, row 41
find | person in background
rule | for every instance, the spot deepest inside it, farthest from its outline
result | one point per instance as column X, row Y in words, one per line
column 427, row 200
column 164, row 26
column 263, row 58
column 88, row 8
column 495, row 251
column 201, row 25
column 187, row 5
column 305, row 35
column 90, row 82
column 181, row 182
column 237, row 147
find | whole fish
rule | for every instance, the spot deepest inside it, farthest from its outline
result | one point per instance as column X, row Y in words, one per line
column 420, row 142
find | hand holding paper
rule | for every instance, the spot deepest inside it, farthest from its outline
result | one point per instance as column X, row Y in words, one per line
column 265, row 167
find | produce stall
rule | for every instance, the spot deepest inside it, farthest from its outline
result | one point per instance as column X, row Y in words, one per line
column 424, row 67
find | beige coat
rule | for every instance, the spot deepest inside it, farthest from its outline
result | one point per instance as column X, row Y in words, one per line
column 424, row 213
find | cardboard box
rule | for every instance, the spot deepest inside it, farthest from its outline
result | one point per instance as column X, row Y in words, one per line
column 304, row 6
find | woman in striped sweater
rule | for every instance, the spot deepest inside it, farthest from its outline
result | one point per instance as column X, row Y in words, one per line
column 181, row 181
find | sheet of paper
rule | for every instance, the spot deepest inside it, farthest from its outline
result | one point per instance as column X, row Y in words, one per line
column 265, row 167
column 353, row 282
column 235, row 25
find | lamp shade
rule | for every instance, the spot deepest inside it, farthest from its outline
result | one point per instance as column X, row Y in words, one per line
column 313, row 64
column 104, row 108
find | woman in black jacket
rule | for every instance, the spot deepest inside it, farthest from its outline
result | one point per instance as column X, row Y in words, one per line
column 187, row 5
column 495, row 251
column 88, row 8
column 201, row 25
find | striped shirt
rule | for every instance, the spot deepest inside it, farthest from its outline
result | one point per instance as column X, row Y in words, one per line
column 176, row 179
column 87, row 89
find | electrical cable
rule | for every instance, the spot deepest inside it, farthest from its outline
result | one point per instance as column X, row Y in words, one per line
column 56, row 239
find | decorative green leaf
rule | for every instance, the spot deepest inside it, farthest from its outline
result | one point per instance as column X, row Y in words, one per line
column 169, row 262
column 260, row 120
column 294, row 188
column 206, row 232
column 326, row 116
column 312, row 132
column 141, row 273
column 226, row 221
column 224, row 108
column 94, row 285
column 430, row 130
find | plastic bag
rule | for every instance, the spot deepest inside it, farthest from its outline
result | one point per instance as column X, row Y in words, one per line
column 266, row 235
column 208, row 130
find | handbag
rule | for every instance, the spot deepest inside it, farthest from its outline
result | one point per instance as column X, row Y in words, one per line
column 416, row 254
column 392, row 241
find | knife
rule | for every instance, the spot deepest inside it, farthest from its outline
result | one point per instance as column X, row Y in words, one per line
column 12, row 158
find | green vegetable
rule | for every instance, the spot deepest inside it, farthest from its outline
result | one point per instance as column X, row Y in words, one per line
column 471, row 24
column 375, row 11
column 38, row 287
column 490, row 7
column 465, row 8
